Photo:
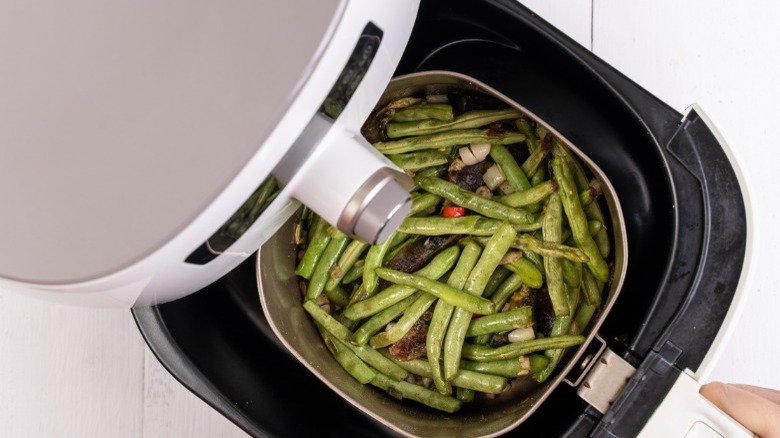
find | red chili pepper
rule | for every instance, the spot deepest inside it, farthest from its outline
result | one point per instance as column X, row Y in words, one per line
column 453, row 211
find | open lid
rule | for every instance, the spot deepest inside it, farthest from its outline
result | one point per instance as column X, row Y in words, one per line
column 121, row 121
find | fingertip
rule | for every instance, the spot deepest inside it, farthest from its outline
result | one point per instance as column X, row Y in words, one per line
column 717, row 393
column 756, row 413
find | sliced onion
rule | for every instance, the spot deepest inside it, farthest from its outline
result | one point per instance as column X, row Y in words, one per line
column 437, row 98
column 521, row 334
column 484, row 191
column 456, row 166
column 467, row 156
column 480, row 150
column 493, row 176
column 506, row 188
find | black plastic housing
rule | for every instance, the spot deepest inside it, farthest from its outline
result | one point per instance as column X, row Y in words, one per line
column 685, row 222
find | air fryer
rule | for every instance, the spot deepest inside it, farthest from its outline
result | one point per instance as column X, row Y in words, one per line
column 685, row 221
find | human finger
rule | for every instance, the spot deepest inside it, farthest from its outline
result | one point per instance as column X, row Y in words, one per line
column 772, row 395
column 757, row 414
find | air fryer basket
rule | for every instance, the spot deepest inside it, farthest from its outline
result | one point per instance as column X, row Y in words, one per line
column 685, row 224
column 281, row 300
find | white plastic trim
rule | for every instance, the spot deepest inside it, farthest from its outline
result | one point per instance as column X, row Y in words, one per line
column 686, row 413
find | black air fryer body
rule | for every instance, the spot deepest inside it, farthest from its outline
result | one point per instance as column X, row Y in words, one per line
column 685, row 222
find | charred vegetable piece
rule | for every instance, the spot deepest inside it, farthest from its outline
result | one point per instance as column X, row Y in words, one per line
column 417, row 254
column 412, row 345
column 466, row 177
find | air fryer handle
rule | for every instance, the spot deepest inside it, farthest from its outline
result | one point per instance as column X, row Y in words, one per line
column 346, row 181
column 686, row 413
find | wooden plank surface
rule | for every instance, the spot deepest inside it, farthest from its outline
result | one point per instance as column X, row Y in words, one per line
column 725, row 55
column 68, row 371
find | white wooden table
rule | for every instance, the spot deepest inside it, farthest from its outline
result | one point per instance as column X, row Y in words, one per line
column 74, row 372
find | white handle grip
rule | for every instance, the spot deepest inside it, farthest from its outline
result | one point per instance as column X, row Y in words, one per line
column 346, row 181
column 686, row 413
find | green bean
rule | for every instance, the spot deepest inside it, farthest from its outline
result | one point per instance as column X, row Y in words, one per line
column 412, row 313
column 541, row 131
column 467, row 120
column 465, row 395
column 437, row 225
column 527, row 272
column 403, row 102
column 583, row 316
column 509, row 368
column 437, row 111
column 587, row 196
column 505, row 291
column 438, row 266
column 346, row 322
column 401, row 389
column 524, row 126
column 485, row 353
column 529, row 196
column 433, row 172
column 474, row 202
column 379, row 320
column 347, row 260
column 572, row 273
column 468, row 379
column 329, row 258
column 514, row 174
column 423, row 203
column 499, row 276
column 591, row 289
column 595, row 227
column 379, row 301
column 560, row 327
column 534, row 258
column 501, row 322
column 533, row 247
column 448, row 139
column 342, row 334
column 533, row 164
column 494, row 250
column 553, row 270
column 578, row 222
column 540, row 176
column 347, row 359
column 573, row 298
column 592, row 211
column 454, row 296
column 419, row 160
column 376, row 123
column 473, row 225
column 442, row 313
column 338, row 296
column 374, row 258
column 553, row 249
column 355, row 272
column 318, row 241
column 538, row 362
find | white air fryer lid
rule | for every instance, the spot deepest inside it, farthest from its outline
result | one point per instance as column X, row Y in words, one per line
column 122, row 121
column 136, row 132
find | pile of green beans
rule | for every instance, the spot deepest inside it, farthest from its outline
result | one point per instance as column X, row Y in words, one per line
column 540, row 233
